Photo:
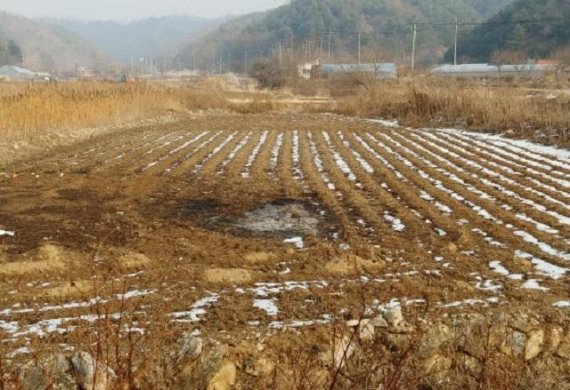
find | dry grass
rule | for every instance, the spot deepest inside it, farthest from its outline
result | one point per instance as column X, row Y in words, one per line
column 28, row 110
column 542, row 116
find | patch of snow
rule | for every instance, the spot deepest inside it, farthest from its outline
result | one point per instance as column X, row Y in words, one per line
column 385, row 122
column 397, row 224
column 532, row 284
column 276, row 151
column 267, row 305
column 254, row 153
column 544, row 247
column 7, row 233
column 340, row 163
column 297, row 241
column 198, row 309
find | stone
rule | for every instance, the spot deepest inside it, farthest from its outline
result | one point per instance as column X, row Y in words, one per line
column 379, row 322
column 436, row 364
column 556, row 334
column 352, row 323
column 366, row 330
column 402, row 328
column 349, row 264
column 32, row 377
column 524, row 323
column 52, row 373
column 515, row 344
column 432, row 340
column 189, row 347
column 563, row 350
column 261, row 367
column 344, row 349
column 473, row 366
column 476, row 336
column 394, row 316
column 398, row 342
column 534, row 344
column 91, row 374
column 224, row 377
column 210, row 370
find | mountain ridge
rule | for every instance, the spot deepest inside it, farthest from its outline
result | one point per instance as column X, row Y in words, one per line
column 386, row 27
column 46, row 48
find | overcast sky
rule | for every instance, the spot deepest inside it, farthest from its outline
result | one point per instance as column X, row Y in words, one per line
column 133, row 9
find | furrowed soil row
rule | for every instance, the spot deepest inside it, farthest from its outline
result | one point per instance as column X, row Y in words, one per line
column 547, row 159
column 187, row 162
column 72, row 159
column 521, row 177
column 499, row 216
column 211, row 164
column 235, row 150
column 494, row 249
column 554, row 178
column 449, row 229
column 553, row 166
column 276, row 150
column 158, row 165
column 215, row 148
column 350, row 232
column 297, row 172
column 261, row 167
column 234, row 169
column 431, row 190
column 138, row 152
column 346, row 182
column 397, row 215
column 246, row 171
column 291, row 188
column 489, row 190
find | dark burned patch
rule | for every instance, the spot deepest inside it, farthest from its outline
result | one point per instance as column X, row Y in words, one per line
column 77, row 219
column 280, row 218
column 197, row 208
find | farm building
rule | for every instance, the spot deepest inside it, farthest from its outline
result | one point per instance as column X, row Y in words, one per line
column 12, row 72
column 382, row 71
column 491, row 70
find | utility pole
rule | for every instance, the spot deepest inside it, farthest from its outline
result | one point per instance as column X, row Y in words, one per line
column 359, row 37
column 455, row 47
column 330, row 53
column 414, row 46
column 245, row 63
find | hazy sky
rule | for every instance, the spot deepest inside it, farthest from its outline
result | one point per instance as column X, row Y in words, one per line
column 133, row 9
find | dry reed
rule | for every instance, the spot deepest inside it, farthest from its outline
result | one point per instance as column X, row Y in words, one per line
column 542, row 116
column 29, row 109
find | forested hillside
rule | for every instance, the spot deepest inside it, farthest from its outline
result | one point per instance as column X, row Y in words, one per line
column 385, row 26
column 525, row 29
column 45, row 48
column 10, row 52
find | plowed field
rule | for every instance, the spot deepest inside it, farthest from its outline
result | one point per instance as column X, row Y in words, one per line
column 239, row 224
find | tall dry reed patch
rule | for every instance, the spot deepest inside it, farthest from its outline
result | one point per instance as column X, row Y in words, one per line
column 27, row 110
column 543, row 116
